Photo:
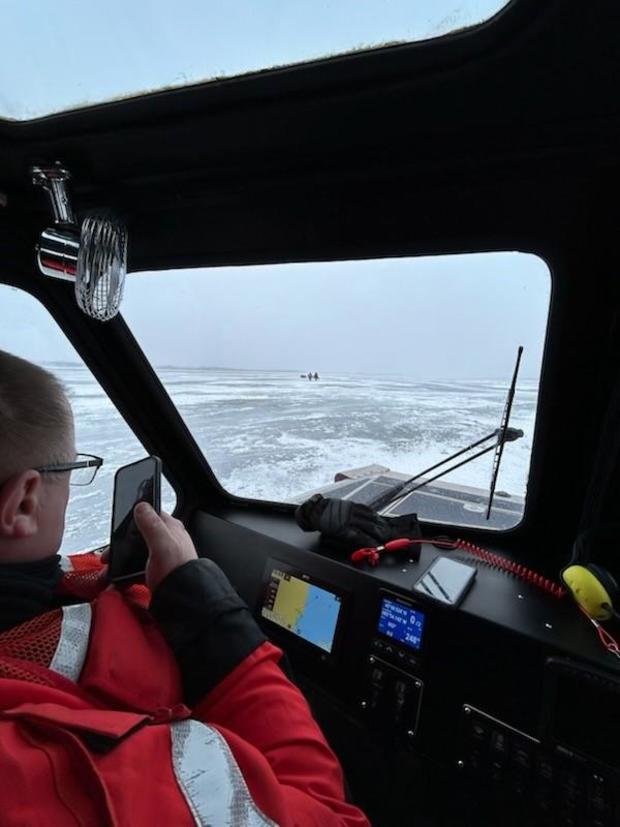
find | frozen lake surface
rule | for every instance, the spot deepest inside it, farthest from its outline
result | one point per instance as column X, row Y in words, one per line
column 272, row 435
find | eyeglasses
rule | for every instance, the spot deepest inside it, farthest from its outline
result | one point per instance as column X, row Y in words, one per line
column 83, row 470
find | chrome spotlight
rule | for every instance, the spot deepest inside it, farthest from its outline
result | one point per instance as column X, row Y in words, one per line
column 93, row 256
column 101, row 267
column 58, row 247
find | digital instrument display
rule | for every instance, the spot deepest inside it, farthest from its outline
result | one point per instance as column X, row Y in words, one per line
column 296, row 604
column 402, row 623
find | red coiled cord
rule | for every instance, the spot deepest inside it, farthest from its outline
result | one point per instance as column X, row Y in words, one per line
column 373, row 555
column 520, row 571
column 607, row 639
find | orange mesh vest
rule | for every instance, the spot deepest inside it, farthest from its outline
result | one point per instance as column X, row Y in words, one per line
column 36, row 641
column 92, row 724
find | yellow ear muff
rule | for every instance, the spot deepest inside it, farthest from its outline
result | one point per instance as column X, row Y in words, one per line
column 588, row 591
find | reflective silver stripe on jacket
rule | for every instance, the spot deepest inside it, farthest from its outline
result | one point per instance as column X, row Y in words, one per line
column 66, row 563
column 70, row 653
column 211, row 780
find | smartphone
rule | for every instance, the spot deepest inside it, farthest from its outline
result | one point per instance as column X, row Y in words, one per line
column 138, row 482
column 446, row 581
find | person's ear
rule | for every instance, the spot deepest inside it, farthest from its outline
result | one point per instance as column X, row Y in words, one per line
column 19, row 505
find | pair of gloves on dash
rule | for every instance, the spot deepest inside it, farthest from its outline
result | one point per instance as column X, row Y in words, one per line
column 353, row 525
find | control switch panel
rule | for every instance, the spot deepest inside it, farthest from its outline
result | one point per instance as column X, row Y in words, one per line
column 391, row 697
column 554, row 786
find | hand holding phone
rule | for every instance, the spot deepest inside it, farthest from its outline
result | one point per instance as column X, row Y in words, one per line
column 169, row 544
column 138, row 482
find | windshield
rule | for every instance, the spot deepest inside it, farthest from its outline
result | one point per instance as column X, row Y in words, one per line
column 364, row 373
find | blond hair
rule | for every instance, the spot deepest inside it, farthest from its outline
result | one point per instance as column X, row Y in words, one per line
column 36, row 423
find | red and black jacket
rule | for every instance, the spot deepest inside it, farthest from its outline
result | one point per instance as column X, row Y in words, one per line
column 115, row 714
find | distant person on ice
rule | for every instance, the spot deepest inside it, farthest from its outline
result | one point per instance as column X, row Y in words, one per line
column 157, row 704
column 316, row 376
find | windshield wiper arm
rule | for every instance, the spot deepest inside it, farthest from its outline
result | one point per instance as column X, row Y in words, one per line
column 401, row 489
column 502, row 435
column 499, row 448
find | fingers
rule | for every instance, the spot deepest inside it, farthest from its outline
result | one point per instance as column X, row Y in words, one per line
column 169, row 544
column 171, row 522
column 156, row 528
column 151, row 526
column 176, row 529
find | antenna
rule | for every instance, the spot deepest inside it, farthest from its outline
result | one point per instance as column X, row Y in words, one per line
column 503, row 430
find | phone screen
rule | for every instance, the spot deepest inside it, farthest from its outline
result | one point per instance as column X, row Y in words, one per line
column 446, row 581
column 138, row 482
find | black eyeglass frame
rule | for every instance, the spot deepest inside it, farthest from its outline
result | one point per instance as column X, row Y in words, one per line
column 91, row 461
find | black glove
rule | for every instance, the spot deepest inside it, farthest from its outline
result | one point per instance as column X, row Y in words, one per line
column 353, row 524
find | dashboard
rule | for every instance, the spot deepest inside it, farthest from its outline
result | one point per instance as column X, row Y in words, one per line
column 510, row 691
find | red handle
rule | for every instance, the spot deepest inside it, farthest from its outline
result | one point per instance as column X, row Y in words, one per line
column 397, row 545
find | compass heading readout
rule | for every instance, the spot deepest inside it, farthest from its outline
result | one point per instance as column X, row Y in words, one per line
column 401, row 623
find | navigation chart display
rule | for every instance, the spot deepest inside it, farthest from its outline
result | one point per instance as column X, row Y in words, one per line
column 302, row 608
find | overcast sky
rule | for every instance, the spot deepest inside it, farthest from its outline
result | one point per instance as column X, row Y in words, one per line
column 460, row 317
column 427, row 318
column 69, row 53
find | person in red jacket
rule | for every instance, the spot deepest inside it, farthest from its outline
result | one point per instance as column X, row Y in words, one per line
column 161, row 703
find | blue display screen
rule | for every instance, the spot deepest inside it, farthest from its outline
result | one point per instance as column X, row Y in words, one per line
column 401, row 623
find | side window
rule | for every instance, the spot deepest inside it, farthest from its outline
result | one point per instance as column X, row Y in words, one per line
column 27, row 330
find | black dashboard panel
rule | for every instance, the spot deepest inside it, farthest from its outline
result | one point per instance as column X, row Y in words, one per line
column 477, row 685
column 497, row 598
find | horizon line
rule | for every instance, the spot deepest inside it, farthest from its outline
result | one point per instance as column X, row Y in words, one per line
column 299, row 372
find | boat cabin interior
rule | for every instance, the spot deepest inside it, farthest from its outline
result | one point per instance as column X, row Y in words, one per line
column 502, row 136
